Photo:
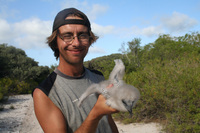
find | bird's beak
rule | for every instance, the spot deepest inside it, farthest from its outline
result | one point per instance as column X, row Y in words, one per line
column 129, row 106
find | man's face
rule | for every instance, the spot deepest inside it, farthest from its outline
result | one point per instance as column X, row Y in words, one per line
column 72, row 52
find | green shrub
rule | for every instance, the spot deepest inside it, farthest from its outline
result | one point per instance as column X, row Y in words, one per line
column 5, row 83
column 167, row 73
column 169, row 92
column 22, row 87
column 14, row 86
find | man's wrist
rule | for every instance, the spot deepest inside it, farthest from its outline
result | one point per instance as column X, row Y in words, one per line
column 94, row 116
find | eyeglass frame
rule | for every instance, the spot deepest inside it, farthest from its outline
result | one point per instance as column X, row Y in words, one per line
column 73, row 37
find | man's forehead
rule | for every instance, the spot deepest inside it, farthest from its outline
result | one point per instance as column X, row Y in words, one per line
column 73, row 17
column 73, row 28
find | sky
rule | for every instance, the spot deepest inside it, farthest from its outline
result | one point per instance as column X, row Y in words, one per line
column 26, row 24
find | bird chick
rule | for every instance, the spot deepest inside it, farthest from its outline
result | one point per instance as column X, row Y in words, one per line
column 120, row 96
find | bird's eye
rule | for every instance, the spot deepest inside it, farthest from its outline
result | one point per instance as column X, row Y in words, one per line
column 124, row 102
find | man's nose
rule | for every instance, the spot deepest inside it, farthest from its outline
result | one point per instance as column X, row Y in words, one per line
column 76, row 41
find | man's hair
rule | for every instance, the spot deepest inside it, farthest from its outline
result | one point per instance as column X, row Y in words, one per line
column 60, row 20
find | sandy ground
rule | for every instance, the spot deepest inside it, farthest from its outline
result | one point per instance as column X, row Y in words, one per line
column 18, row 117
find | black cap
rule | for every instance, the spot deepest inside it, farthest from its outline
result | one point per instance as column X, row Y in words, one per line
column 60, row 18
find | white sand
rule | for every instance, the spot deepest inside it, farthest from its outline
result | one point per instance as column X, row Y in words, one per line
column 22, row 119
column 139, row 128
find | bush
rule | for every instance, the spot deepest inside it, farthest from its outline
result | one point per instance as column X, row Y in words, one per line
column 167, row 73
column 169, row 93
column 14, row 86
column 5, row 83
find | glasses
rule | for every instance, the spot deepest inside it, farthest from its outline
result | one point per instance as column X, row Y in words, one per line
column 69, row 38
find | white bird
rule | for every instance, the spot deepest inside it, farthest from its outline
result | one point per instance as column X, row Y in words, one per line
column 120, row 96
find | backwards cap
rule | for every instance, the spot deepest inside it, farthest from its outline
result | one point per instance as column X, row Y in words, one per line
column 60, row 19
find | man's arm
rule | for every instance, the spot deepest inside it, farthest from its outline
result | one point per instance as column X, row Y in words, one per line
column 49, row 116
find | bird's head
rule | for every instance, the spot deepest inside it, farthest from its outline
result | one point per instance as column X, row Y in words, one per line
column 128, row 104
column 130, row 97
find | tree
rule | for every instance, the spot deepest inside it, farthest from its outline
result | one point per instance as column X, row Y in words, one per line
column 124, row 51
column 134, row 47
column 14, row 62
column 24, row 71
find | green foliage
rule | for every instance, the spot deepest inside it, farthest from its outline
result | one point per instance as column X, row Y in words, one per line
column 5, row 84
column 22, row 87
column 168, row 78
column 19, row 74
column 103, row 64
column 14, row 86
column 15, row 63
column 37, row 73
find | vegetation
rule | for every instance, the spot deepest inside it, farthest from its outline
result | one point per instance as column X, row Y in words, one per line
column 167, row 73
column 19, row 74
column 103, row 64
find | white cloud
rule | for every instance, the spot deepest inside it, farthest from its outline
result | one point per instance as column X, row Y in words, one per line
column 152, row 31
column 148, row 31
column 178, row 22
column 32, row 33
column 33, row 26
column 96, row 50
column 96, row 10
column 29, row 33
column 5, row 31
column 101, row 30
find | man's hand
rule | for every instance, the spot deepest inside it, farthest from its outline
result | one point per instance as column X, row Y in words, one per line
column 101, row 108
column 98, row 111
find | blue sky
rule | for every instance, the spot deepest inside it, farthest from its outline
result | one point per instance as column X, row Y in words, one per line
column 25, row 24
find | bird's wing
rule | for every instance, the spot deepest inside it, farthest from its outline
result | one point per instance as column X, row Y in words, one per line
column 90, row 90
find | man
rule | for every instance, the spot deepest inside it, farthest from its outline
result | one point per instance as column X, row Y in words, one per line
column 56, row 98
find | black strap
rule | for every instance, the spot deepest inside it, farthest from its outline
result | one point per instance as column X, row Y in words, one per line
column 75, row 21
